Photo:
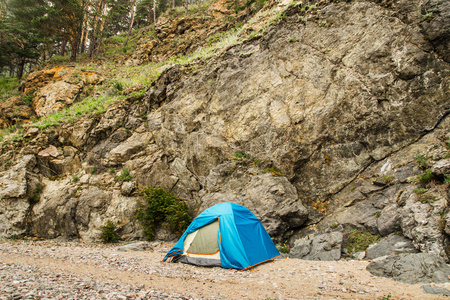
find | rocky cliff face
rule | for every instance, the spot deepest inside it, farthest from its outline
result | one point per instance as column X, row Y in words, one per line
column 315, row 126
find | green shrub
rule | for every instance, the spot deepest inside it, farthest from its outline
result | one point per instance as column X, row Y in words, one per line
column 109, row 233
column 118, row 86
column 160, row 207
column 427, row 198
column 35, row 196
column 246, row 159
column 425, row 177
column 423, row 161
column 360, row 240
column 446, row 178
column 58, row 59
column 284, row 248
column 124, row 176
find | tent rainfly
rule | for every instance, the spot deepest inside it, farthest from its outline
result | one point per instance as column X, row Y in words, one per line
column 226, row 235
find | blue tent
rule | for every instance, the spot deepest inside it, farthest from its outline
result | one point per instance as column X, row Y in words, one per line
column 227, row 235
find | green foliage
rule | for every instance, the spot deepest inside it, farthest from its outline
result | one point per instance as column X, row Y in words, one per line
column 446, row 178
column 75, row 179
column 116, row 39
column 428, row 16
column 94, row 170
column 118, row 86
column 7, row 87
column 388, row 179
column 35, row 196
column 124, row 176
column 292, row 40
column 58, row 60
column 242, row 156
column 27, row 99
column 258, row 6
column 160, row 207
column 246, row 159
column 423, row 161
column 426, row 198
column 89, row 105
column 388, row 297
column 284, row 248
column 109, row 233
column 334, row 225
column 377, row 214
column 425, row 177
column 360, row 240
column 420, row 191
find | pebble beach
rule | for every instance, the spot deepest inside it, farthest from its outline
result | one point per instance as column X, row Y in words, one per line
column 71, row 270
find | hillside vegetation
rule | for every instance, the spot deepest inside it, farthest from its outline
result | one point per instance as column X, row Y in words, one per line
column 129, row 66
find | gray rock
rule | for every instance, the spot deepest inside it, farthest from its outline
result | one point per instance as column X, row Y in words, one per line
column 272, row 199
column 127, row 188
column 435, row 290
column 322, row 247
column 359, row 255
column 16, row 185
column 411, row 268
column 442, row 167
column 300, row 249
column 420, row 222
column 132, row 145
column 391, row 245
column 389, row 220
column 139, row 246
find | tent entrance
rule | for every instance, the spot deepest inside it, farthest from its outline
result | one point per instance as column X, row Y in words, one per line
column 201, row 247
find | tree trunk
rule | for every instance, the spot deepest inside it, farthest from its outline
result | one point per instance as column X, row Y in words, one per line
column 102, row 27
column 20, row 67
column 173, row 4
column 154, row 11
column 186, row 3
column 84, row 33
column 11, row 70
column 133, row 13
column 75, row 43
column 62, row 51
column 94, row 29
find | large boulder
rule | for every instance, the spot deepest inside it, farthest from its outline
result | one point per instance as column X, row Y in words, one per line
column 391, row 245
column 57, row 87
column 70, row 212
column 13, row 110
column 272, row 199
column 325, row 246
column 421, row 223
column 411, row 268
column 17, row 187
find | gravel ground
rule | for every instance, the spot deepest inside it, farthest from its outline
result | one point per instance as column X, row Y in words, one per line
column 71, row 270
